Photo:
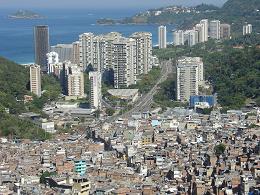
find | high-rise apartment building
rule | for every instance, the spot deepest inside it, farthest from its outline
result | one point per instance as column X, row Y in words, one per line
column 178, row 38
column 64, row 51
column 35, row 79
column 95, row 89
column 214, row 29
column 191, row 36
column 110, row 38
column 75, row 83
column 247, row 29
column 225, row 31
column 75, row 53
column 124, row 62
column 41, row 44
column 205, row 24
column 99, row 53
column 162, row 37
column 189, row 73
column 86, row 49
column 143, row 52
column 201, row 33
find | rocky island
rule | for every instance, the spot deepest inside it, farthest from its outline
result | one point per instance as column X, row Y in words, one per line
column 25, row 14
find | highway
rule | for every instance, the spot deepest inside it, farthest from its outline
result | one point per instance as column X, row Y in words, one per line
column 144, row 102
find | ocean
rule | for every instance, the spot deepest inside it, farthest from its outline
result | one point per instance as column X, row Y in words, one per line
column 16, row 35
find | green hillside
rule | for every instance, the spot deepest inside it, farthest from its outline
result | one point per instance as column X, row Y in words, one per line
column 14, row 84
column 14, row 79
column 241, row 7
column 234, row 12
column 233, row 72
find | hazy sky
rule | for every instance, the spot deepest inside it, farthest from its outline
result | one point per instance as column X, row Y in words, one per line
column 100, row 4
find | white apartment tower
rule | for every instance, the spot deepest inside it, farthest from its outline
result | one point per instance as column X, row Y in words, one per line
column 214, row 29
column 162, row 37
column 191, row 36
column 110, row 38
column 86, row 49
column 247, row 29
column 205, row 24
column 99, row 53
column 201, row 33
column 95, row 89
column 35, row 79
column 124, row 62
column 189, row 74
column 143, row 52
column 52, row 59
column 75, row 83
column 178, row 37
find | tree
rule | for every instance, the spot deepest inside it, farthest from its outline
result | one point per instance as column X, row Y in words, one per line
column 110, row 111
column 219, row 149
column 46, row 174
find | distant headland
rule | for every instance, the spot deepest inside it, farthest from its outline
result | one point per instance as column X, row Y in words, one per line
column 25, row 14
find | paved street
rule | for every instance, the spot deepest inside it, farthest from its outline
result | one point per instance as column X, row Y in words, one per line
column 143, row 103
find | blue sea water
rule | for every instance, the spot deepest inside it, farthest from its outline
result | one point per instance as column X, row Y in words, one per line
column 16, row 36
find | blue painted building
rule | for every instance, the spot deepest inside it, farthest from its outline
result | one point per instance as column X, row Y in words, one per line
column 210, row 99
column 80, row 166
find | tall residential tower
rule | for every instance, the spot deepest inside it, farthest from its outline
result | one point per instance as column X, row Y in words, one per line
column 95, row 89
column 143, row 52
column 124, row 62
column 162, row 37
column 41, row 45
column 178, row 37
column 35, row 80
column 189, row 75
column 214, row 29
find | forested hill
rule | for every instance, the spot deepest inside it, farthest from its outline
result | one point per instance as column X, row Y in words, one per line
column 241, row 7
column 235, row 12
column 14, row 80
column 14, row 84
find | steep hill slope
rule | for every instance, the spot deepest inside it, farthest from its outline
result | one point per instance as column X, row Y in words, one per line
column 13, row 81
column 241, row 7
column 235, row 12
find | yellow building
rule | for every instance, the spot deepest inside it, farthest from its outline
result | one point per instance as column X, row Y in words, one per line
column 81, row 186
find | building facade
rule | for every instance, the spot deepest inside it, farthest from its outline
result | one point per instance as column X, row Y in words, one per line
column 205, row 24
column 209, row 99
column 75, row 53
column 143, row 52
column 99, row 53
column 86, row 49
column 35, row 79
column 41, row 44
column 178, row 37
column 162, row 37
column 64, row 51
column 214, row 29
column 201, row 33
column 75, row 83
column 80, row 166
column 124, row 62
column 191, row 37
column 247, row 29
column 225, row 31
column 188, row 77
column 95, row 90
column 53, row 59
